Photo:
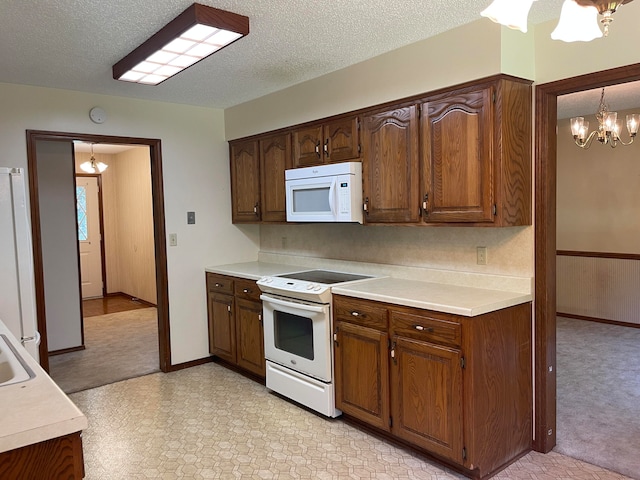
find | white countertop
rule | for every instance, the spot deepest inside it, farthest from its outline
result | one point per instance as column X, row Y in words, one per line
column 254, row 270
column 459, row 300
column 442, row 297
column 35, row 410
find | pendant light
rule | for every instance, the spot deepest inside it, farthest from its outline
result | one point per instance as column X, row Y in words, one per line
column 91, row 166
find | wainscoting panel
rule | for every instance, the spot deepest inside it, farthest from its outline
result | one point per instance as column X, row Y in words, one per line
column 599, row 286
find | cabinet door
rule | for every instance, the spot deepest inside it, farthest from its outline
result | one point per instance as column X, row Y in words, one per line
column 362, row 373
column 390, row 166
column 275, row 158
column 250, row 336
column 245, row 182
column 307, row 147
column 457, row 133
column 341, row 141
column 426, row 404
column 222, row 331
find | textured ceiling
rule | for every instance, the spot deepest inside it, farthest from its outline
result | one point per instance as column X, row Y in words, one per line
column 72, row 44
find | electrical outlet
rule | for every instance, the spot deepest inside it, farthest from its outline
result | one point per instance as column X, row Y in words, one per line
column 482, row 255
column 191, row 218
column 173, row 239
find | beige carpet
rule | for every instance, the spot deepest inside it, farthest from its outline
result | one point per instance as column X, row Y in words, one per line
column 598, row 415
column 118, row 346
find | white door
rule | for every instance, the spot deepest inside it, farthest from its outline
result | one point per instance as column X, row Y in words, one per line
column 89, row 236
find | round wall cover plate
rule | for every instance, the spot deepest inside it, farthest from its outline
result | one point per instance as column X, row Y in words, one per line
column 97, row 115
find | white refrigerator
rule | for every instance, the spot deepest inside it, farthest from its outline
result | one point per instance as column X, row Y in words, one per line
column 17, row 291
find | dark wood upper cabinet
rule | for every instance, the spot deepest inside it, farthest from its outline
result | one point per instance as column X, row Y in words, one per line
column 331, row 142
column 457, row 157
column 275, row 158
column 391, row 166
column 245, row 181
column 476, row 154
column 341, row 140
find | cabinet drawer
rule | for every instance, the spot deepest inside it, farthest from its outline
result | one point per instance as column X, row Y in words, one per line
column 425, row 327
column 247, row 289
column 361, row 312
column 219, row 283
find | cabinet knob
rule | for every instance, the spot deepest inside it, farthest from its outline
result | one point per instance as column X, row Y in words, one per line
column 218, row 285
column 318, row 149
column 246, row 290
column 365, row 207
column 355, row 314
column 255, row 208
column 326, row 148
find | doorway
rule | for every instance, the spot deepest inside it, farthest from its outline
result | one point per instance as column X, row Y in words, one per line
column 90, row 235
column 159, row 247
column 545, row 239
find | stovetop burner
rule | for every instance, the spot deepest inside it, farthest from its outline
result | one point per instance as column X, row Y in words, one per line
column 323, row 276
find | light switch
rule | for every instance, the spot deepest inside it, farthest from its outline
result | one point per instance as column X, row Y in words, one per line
column 173, row 239
column 191, row 218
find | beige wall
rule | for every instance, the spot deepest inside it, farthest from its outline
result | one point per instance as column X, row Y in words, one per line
column 128, row 222
column 598, row 195
column 556, row 60
column 195, row 166
column 456, row 56
column 135, row 247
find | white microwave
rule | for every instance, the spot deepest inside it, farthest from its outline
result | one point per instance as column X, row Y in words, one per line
column 326, row 193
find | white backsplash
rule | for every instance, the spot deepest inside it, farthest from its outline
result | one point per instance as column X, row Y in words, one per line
column 510, row 250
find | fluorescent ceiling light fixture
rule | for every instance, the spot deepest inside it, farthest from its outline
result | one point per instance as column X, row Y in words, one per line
column 510, row 13
column 192, row 36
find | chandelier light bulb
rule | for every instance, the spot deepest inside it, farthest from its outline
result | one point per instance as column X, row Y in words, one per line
column 577, row 23
column 510, row 13
column 633, row 122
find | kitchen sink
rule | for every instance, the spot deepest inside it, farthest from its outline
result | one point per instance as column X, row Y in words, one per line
column 13, row 368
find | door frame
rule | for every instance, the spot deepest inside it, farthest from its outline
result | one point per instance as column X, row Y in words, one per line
column 98, row 177
column 546, row 119
column 157, row 191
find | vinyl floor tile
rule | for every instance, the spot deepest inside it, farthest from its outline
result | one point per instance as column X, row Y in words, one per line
column 208, row 422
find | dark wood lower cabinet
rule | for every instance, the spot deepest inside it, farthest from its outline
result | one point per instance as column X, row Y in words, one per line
column 58, row 458
column 362, row 376
column 235, row 322
column 250, row 336
column 427, row 396
column 457, row 388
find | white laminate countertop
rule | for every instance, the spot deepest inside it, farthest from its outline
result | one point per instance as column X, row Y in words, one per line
column 35, row 410
column 442, row 297
column 466, row 301
column 255, row 270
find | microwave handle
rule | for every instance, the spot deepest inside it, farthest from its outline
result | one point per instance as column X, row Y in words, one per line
column 332, row 197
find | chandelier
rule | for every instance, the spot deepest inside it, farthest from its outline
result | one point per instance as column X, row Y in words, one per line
column 578, row 18
column 91, row 166
column 608, row 131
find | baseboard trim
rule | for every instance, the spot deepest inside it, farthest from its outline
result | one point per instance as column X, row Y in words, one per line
column 66, row 350
column 192, row 363
column 599, row 320
column 132, row 297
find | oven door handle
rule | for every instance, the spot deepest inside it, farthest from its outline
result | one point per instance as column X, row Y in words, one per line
column 300, row 306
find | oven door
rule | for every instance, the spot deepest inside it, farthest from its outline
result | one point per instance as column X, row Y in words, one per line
column 297, row 335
